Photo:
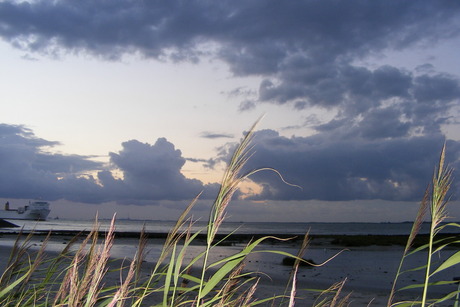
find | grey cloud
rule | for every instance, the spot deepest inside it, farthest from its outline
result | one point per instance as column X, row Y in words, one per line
column 394, row 100
column 253, row 37
column 353, row 90
column 434, row 96
column 208, row 163
column 331, row 125
column 261, row 58
column 150, row 172
column 331, row 169
column 437, row 88
column 425, row 68
column 153, row 171
column 81, row 189
column 241, row 92
column 300, row 105
column 64, row 164
column 391, row 82
column 383, row 123
column 213, row 135
column 246, row 105
column 28, row 171
column 15, row 136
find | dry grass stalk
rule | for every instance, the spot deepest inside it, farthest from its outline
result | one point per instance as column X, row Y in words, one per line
column 176, row 234
column 250, row 293
column 227, row 291
column 293, row 287
column 16, row 260
column 98, row 266
column 173, row 238
column 336, row 300
column 69, row 292
column 16, row 280
column 442, row 180
column 292, row 275
column 140, row 253
column 122, row 294
column 229, row 185
column 76, row 290
column 36, row 262
column 421, row 213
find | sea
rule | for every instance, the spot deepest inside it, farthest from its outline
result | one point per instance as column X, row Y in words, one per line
column 280, row 228
column 363, row 268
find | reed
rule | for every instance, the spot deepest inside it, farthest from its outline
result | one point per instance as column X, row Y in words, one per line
column 435, row 201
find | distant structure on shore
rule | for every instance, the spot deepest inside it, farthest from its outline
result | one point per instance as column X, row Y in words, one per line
column 37, row 210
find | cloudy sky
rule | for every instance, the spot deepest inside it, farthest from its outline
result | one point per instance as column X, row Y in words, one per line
column 134, row 106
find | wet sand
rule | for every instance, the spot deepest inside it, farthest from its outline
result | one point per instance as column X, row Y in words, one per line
column 369, row 271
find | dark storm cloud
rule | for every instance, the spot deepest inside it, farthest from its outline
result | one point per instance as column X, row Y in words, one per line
column 28, row 171
column 330, row 168
column 389, row 102
column 150, row 172
column 383, row 123
column 153, row 172
column 304, row 50
column 253, row 37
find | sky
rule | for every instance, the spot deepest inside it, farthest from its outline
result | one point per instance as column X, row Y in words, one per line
column 135, row 106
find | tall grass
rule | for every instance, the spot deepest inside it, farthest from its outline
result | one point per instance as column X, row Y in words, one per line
column 77, row 275
column 436, row 203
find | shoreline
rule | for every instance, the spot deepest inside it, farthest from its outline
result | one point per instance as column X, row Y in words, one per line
column 318, row 240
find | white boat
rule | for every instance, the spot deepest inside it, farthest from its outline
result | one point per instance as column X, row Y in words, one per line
column 37, row 210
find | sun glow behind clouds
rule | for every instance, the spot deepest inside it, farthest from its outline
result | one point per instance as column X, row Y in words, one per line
column 249, row 188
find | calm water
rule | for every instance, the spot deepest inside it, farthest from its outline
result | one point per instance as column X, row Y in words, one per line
column 228, row 227
column 358, row 266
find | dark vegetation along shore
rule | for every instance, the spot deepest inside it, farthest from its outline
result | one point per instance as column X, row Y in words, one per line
column 314, row 240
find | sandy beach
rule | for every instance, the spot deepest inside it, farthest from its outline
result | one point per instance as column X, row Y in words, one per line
column 369, row 271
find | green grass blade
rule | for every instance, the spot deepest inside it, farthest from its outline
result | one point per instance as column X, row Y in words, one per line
column 446, row 297
column 168, row 277
column 451, row 261
column 422, row 267
column 221, row 273
column 11, row 286
column 436, row 283
column 407, row 304
column 244, row 252
column 191, row 278
column 230, row 264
